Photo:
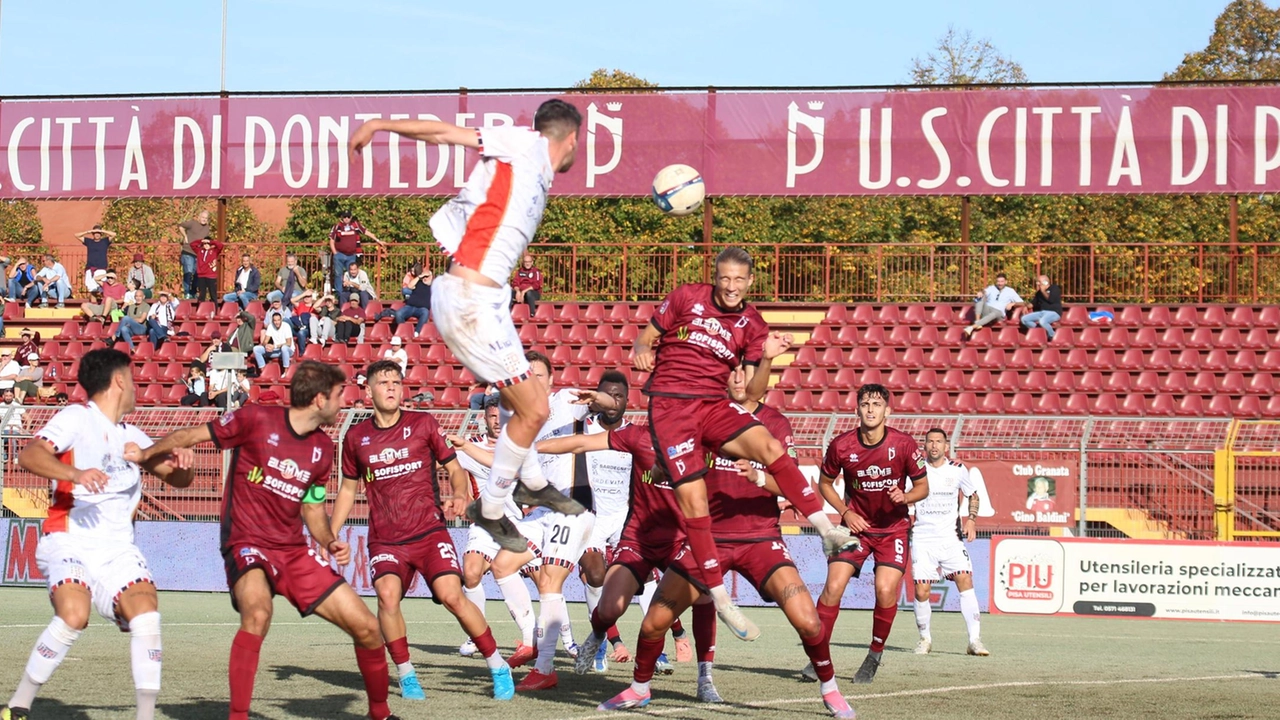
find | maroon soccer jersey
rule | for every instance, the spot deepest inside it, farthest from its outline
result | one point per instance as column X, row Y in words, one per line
column 869, row 472
column 272, row 468
column 346, row 237
column 701, row 342
column 397, row 466
column 740, row 511
column 653, row 500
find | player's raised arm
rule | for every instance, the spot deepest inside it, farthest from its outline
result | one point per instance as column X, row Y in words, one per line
column 471, row 450
column 757, row 375
column 185, row 438
column 175, row 468
column 431, row 131
column 576, row 444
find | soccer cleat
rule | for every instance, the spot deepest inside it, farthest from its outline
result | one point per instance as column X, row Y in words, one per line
column 707, row 691
column 663, row 666
column 504, row 686
column 867, row 672
column 624, row 700
column 13, row 713
column 572, row 649
column 410, row 688
column 738, row 623
column 547, row 497
column 838, row 539
column 592, row 651
column 808, row 674
column 977, row 648
column 684, row 650
column 838, row 706
column 537, row 681
column 523, row 655
column 924, row 646
column 467, row 649
column 621, row 653
column 503, row 532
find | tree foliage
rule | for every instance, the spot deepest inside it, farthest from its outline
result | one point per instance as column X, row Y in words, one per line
column 20, row 225
column 1245, row 45
column 601, row 78
column 959, row 58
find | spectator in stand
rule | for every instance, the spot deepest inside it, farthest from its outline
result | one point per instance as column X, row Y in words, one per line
column 351, row 322
column 22, row 283
column 28, row 343
column 96, row 244
column 9, row 369
column 276, row 342
column 218, row 394
column 208, row 250
column 355, row 284
column 1046, row 307
column 193, row 231
column 324, row 320
column 93, row 284
column 993, row 304
column 477, row 393
column 217, row 344
column 197, row 386
column 4, row 273
column 30, row 378
column 141, row 273
column 248, row 282
column 411, row 278
column 241, row 335
column 290, row 281
column 345, row 244
column 527, row 285
column 53, row 281
column 112, row 299
column 160, row 318
column 12, row 424
column 134, row 320
column 418, row 304
column 300, row 323
column 398, row 354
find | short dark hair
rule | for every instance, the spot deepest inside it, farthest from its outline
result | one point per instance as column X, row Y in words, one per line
column 945, row 435
column 277, row 315
column 98, row 367
column 534, row 356
column 380, row 366
column 311, row 379
column 344, row 213
column 737, row 256
column 1001, row 275
column 557, row 119
column 613, row 376
column 491, row 401
column 873, row 390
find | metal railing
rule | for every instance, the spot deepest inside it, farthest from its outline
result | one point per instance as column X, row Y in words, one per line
column 1157, row 475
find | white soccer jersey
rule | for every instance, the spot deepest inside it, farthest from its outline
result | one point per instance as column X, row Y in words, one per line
column 608, row 474
column 481, row 473
column 82, row 436
column 496, row 214
column 558, row 469
column 936, row 515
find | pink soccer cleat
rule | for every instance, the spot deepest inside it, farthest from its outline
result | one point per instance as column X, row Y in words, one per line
column 624, row 700
column 838, row 706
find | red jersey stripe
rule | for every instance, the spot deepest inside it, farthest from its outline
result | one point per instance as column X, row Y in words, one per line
column 483, row 225
column 60, row 508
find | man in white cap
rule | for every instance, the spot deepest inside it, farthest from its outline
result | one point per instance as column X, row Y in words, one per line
column 398, row 354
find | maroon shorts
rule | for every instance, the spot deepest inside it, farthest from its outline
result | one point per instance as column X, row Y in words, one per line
column 431, row 557
column 755, row 561
column 890, row 548
column 297, row 573
column 684, row 429
column 643, row 558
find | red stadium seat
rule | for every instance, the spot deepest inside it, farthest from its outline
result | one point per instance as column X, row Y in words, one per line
column 1270, row 361
column 939, row 358
column 1144, row 338
column 1089, row 382
column 1257, row 339
column 1247, row 407
column 1006, row 381
column 1190, row 406
column 313, row 352
column 1131, row 360
column 806, row 357
column 1173, row 339
column 845, row 379
column 1118, row 382
column 1090, row 337
column 912, row 358
column 1147, row 383
column 70, row 329
column 578, row 335
column 1231, row 384
column 800, row 401
column 885, row 357
column 821, row 337
column 1159, row 360
column 615, row 356
column 569, row 377
column 1241, row 317
column 562, row 355
column 1048, row 359
column 831, row 358
column 1078, row 404
column 992, row 403
column 863, row 315
column 173, row 396
column 1175, row 383
column 1214, row 316
column 451, row 397
column 979, row 381
column 938, row 403
column 888, row 316
column 552, row 335
column 1034, row 382
column 270, row 373
column 1048, row 404
column 952, row 381
column 914, row 315
column 1103, row 359
column 1130, row 316
column 587, row 356
column 846, row 337
column 420, row 375
column 1269, row 317
column 1216, row 360
column 924, row 380
column 858, row 358
column 545, row 314
column 594, row 313
column 1271, row 409
column 1158, row 316
column 942, row 315
column 927, row 337
column 364, row 353
column 964, row 403
column 837, row 315
column 1009, row 337
column 1036, row 337
column 643, row 314
column 967, row 359
column 816, row 380
column 1245, row 361
column 167, row 351
column 873, row 337
column 1117, row 338
column 1162, row 405
column 952, row 337
column 828, row 401
column 993, row 359
column 900, row 336
column 899, row 380
column 520, row 313
column 982, row 337
column 1227, row 338
column 620, row 314
column 335, row 353
column 1189, row 360
column 228, row 311
column 871, row 376
column 1260, row 384
column 908, row 402
column 1185, row 316
column 1105, row 404
column 773, row 398
column 1077, row 316
column 627, row 335
column 591, row 380
column 1076, row 359
column 1063, row 381
column 206, row 310
column 1021, row 404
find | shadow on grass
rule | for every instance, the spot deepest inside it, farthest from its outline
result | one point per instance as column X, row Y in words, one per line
column 52, row 708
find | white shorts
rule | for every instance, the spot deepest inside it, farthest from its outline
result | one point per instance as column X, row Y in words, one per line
column 929, row 555
column 563, row 536
column 481, row 542
column 475, row 322
column 106, row 569
column 606, row 533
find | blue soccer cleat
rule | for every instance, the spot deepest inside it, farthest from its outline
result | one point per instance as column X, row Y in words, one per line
column 504, row 687
column 410, row 688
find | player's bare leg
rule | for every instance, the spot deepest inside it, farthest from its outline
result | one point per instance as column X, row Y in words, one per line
column 924, row 613
column 71, row 605
column 253, row 600
column 674, row 596
column 619, row 586
column 793, row 597
column 971, row 612
column 759, row 445
column 138, row 607
column 506, row 573
column 345, row 609
column 448, row 590
column 691, row 494
column 390, row 590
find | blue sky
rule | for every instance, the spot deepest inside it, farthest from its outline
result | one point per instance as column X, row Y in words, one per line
column 78, row 46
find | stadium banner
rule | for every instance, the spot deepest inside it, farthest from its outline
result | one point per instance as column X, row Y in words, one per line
column 184, row 556
column 1028, row 493
column 1186, row 580
column 1217, row 139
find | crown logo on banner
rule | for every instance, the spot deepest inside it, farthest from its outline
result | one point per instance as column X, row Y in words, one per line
column 816, row 104
column 613, row 106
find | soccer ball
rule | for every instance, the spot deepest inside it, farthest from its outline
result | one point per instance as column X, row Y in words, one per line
column 678, row 190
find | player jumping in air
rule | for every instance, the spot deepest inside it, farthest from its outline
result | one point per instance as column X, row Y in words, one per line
column 704, row 332
column 936, row 546
column 394, row 455
column 484, row 231
column 87, row 552
column 276, row 483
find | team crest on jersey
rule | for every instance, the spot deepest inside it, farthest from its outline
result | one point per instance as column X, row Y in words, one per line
column 225, row 420
column 742, row 322
column 697, row 309
column 893, row 453
column 408, row 430
column 316, row 453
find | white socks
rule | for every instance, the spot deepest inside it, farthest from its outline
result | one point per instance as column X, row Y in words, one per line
column 969, row 609
column 508, row 458
column 924, row 614
column 145, row 651
column 476, row 595
column 704, row 670
column 593, row 598
column 47, row 655
column 552, row 618
column 516, row 595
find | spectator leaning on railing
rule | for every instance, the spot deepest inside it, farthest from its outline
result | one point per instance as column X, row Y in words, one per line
column 141, row 273
column 248, row 282
column 193, row 231
column 53, row 282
